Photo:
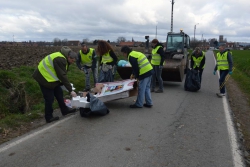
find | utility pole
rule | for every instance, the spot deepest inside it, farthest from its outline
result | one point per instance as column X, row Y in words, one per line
column 156, row 33
column 172, row 11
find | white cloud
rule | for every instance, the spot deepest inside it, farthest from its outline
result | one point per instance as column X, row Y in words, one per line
column 109, row 19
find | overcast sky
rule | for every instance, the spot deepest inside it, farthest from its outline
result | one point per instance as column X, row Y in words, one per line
column 24, row 20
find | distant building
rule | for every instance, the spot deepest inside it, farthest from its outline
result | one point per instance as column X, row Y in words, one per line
column 221, row 38
column 74, row 43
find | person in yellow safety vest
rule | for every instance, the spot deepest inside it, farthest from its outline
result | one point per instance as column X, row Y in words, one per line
column 198, row 60
column 157, row 61
column 86, row 61
column 142, row 71
column 108, row 60
column 51, row 74
column 224, row 65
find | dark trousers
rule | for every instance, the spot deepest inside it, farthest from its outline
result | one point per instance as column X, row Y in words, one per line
column 223, row 74
column 200, row 74
column 48, row 95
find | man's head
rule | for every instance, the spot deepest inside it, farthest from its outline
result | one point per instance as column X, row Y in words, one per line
column 125, row 51
column 154, row 42
column 197, row 50
column 222, row 47
column 72, row 56
column 69, row 54
column 84, row 47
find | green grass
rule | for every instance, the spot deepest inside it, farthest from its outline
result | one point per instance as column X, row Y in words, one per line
column 241, row 74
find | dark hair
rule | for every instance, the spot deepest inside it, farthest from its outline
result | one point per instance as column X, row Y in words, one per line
column 155, row 41
column 83, row 44
column 103, row 47
column 126, row 49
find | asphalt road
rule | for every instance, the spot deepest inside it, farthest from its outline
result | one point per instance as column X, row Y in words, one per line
column 183, row 129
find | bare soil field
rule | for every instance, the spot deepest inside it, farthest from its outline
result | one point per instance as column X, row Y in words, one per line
column 14, row 56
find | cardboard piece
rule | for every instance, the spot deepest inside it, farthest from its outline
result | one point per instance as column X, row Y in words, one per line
column 108, row 91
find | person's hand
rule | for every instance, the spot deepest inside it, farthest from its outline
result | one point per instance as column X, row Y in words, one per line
column 214, row 72
column 132, row 76
column 160, row 67
column 73, row 94
column 230, row 72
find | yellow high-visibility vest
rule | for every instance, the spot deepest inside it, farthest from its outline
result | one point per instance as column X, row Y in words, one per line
column 46, row 67
column 86, row 59
column 197, row 61
column 222, row 62
column 156, row 58
column 143, row 63
column 106, row 58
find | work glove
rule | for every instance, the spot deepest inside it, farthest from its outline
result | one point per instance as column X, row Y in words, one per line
column 84, row 70
column 132, row 76
column 230, row 72
column 73, row 94
column 214, row 72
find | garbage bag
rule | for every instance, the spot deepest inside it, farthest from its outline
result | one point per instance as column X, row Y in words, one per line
column 192, row 81
column 96, row 105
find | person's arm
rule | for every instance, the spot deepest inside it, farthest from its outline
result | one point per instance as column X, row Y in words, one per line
column 114, row 62
column 160, row 51
column 135, row 67
column 202, row 63
column 230, row 61
column 61, row 71
column 78, row 61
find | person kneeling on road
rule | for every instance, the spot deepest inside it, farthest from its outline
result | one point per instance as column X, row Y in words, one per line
column 51, row 74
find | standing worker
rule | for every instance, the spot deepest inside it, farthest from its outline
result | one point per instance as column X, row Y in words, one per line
column 108, row 61
column 51, row 74
column 198, row 60
column 142, row 70
column 157, row 61
column 86, row 61
column 224, row 65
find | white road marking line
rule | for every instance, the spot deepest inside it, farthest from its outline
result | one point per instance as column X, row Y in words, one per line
column 12, row 144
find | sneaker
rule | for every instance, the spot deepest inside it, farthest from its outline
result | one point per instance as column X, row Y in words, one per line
column 220, row 94
column 134, row 106
column 159, row 91
column 69, row 111
column 52, row 119
column 147, row 105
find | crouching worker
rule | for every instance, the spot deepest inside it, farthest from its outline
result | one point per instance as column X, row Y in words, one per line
column 142, row 70
column 51, row 74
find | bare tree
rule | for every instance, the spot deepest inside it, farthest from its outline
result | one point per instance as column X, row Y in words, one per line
column 57, row 42
column 86, row 40
column 65, row 42
column 121, row 39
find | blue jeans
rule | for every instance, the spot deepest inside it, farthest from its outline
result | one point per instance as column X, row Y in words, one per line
column 157, row 74
column 223, row 74
column 88, row 71
column 106, row 76
column 144, row 92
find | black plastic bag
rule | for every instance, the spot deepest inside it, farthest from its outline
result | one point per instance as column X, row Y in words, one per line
column 97, row 107
column 192, row 81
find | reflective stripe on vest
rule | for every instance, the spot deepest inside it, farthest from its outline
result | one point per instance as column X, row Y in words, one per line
column 222, row 62
column 143, row 63
column 197, row 61
column 156, row 58
column 46, row 67
column 106, row 58
column 86, row 59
